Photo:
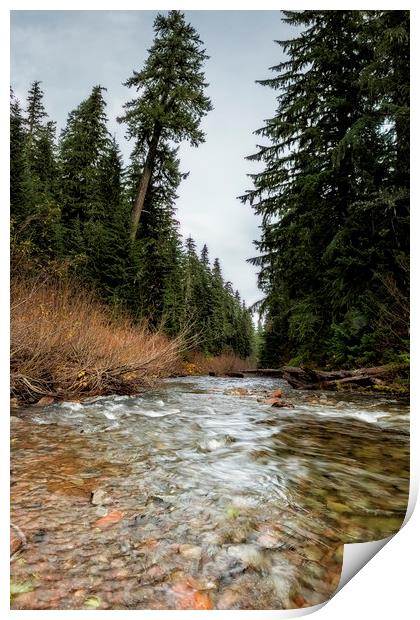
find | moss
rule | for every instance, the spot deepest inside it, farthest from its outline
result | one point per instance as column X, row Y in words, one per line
column 393, row 388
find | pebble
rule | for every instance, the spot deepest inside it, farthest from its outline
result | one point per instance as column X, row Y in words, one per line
column 15, row 541
column 269, row 541
column 100, row 497
column 228, row 599
column 190, row 551
column 117, row 563
column 250, row 555
column 109, row 519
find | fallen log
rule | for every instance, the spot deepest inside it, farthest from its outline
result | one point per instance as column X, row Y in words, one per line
column 265, row 372
column 304, row 378
column 311, row 379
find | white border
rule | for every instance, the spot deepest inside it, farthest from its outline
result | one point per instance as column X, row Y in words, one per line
column 385, row 587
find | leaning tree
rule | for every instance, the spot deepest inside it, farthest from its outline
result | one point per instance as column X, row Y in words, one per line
column 171, row 100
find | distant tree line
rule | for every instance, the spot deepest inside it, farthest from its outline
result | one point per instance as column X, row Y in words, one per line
column 334, row 192
column 75, row 204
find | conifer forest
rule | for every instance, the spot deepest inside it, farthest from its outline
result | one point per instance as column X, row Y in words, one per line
column 179, row 441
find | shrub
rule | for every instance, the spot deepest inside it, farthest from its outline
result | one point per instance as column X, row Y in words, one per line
column 64, row 343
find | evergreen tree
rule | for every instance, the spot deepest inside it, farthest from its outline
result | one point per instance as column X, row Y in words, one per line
column 94, row 214
column 204, row 256
column 34, row 211
column 106, row 231
column 18, row 203
column 172, row 100
column 35, row 111
column 328, row 218
column 157, row 249
column 82, row 145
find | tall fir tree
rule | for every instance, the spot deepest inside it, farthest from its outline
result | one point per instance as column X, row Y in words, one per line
column 172, row 100
column 18, row 202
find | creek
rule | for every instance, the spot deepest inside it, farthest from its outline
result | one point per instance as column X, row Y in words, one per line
column 195, row 495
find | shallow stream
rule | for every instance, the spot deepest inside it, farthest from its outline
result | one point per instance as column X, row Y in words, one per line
column 198, row 496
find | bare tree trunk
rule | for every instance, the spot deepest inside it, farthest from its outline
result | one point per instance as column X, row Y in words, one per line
column 144, row 181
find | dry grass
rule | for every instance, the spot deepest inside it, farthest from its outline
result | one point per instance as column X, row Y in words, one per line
column 201, row 364
column 65, row 344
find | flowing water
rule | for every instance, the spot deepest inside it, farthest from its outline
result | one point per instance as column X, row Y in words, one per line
column 198, row 496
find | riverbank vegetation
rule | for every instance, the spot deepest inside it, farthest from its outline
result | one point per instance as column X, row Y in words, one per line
column 78, row 212
column 334, row 193
column 68, row 345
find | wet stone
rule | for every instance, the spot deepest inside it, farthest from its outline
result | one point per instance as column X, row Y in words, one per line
column 99, row 497
column 190, row 551
column 39, row 536
column 16, row 541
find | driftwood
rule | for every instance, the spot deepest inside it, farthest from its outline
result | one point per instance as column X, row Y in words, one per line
column 311, row 379
column 265, row 372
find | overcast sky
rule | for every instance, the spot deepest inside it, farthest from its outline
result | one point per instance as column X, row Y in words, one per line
column 71, row 51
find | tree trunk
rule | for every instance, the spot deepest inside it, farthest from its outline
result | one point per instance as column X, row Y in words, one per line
column 144, row 181
column 311, row 379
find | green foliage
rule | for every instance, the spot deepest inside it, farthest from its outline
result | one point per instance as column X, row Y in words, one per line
column 171, row 101
column 171, row 85
column 333, row 194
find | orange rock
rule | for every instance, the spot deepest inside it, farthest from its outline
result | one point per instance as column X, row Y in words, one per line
column 109, row 519
column 151, row 543
column 15, row 542
column 202, row 601
column 281, row 403
column 299, row 601
column 187, row 598
column 270, row 401
column 276, row 394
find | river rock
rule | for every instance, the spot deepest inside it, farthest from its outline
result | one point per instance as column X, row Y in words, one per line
column 268, row 540
column 17, row 539
column 14, row 420
column 99, row 497
column 276, row 393
column 109, row 519
column 228, row 599
column 190, row 551
column 14, row 403
column 281, row 403
column 44, row 401
column 249, row 555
